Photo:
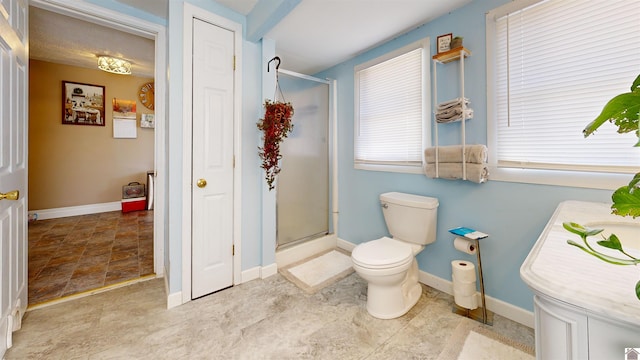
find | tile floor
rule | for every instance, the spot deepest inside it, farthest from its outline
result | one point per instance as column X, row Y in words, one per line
column 75, row 254
column 260, row 319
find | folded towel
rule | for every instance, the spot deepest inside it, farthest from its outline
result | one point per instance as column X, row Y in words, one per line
column 452, row 103
column 454, row 114
column 476, row 154
column 477, row 173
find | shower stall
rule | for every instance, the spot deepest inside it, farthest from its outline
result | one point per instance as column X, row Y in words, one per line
column 303, row 200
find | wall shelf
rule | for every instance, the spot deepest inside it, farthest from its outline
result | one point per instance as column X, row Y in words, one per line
column 454, row 54
column 451, row 55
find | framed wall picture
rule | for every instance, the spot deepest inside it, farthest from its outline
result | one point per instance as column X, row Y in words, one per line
column 147, row 121
column 82, row 104
column 444, row 43
column 124, row 109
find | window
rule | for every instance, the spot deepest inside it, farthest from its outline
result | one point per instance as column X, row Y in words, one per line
column 391, row 110
column 552, row 66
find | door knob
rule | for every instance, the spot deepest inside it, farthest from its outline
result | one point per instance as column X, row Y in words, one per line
column 11, row 195
column 201, row 183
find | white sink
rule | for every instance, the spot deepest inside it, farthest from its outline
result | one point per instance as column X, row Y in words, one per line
column 627, row 233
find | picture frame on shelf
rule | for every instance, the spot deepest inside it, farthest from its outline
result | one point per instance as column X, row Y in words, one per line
column 444, row 42
column 82, row 104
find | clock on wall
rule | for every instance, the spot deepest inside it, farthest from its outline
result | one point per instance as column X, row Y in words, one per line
column 146, row 95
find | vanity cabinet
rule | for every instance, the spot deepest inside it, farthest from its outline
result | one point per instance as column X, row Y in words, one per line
column 568, row 332
column 585, row 309
column 608, row 340
column 561, row 330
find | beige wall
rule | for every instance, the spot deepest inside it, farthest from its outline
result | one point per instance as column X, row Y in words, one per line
column 71, row 165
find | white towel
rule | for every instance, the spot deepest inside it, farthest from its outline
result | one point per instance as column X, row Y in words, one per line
column 477, row 173
column 476, row 154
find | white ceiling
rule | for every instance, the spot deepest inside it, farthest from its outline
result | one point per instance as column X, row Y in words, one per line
column 319, row 34
column 314, row 36
column 65, row 40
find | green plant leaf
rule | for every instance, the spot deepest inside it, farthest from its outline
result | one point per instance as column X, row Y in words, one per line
column 604, row 257
column 636, row 84
column 638, row 290
column 633, row 184
column 622, row 111
column 626, row 202
column 612, row 243
column 580, row 230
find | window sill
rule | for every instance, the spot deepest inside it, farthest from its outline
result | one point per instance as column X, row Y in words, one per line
column 580, row 179
column 409, row 169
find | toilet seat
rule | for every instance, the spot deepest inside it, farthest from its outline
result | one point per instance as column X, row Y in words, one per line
column 383, row 253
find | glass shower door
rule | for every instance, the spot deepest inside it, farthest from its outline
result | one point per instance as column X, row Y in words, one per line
column 302, row 198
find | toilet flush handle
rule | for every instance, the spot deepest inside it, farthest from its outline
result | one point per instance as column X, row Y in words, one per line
column 385, row 205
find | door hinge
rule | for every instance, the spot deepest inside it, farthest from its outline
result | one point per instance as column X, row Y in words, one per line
column 234, row 62
column 233, row 250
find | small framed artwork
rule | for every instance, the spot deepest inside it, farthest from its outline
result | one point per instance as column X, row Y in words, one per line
column 444, row 43
column 124, row 109
column 82, row 104
column 147, row 121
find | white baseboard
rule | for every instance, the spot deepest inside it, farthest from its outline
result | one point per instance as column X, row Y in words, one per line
column 174, row 299
column 305, row 250
column 76, row 210
column 268, row 270
column 345, row 245
column 250, row 274
column 259, row 272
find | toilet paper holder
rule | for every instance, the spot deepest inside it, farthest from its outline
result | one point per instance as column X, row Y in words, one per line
column 481, row 313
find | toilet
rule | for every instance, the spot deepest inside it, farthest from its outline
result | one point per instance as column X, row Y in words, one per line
column 389, row 264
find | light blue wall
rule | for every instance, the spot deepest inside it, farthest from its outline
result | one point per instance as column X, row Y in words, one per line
column 513, row 214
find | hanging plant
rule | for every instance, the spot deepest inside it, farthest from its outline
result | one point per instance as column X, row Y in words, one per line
column 275, row 126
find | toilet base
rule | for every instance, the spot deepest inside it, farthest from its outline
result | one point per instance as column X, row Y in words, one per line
column 389, row 302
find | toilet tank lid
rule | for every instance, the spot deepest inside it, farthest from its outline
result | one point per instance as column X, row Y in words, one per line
column 412, row 200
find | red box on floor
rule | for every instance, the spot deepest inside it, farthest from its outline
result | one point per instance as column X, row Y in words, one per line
column 133, row 204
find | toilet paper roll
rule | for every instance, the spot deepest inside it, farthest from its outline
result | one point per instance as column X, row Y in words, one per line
column 468, row 302
column 465, row 245
column 454, row 280
column 464, row 288
column 464, row 271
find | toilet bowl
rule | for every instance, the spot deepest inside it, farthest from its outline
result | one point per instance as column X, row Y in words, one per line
column 388, row 264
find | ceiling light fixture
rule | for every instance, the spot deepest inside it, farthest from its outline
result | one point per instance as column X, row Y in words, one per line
column 114, row 65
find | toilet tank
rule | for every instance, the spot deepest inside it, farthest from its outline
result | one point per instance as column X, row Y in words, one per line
column 410, row 218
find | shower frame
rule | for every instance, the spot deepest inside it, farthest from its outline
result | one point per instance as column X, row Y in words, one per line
column 332, row 157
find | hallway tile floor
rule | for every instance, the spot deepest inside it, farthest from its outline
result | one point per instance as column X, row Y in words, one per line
column 80, row 253
column 260, row 319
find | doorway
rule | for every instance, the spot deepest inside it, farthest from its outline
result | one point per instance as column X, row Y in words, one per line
column 106, row 218
column 212, row 158
column 222, row 130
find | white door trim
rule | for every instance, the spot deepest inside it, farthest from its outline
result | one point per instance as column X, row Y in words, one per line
column 105, row 17
column 191, row 12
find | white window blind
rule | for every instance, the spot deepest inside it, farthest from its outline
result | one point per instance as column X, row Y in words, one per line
column 390, row 112
column 557, row 63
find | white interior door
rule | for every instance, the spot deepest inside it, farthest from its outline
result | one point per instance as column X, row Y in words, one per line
column 213, row 158
column 13, row 167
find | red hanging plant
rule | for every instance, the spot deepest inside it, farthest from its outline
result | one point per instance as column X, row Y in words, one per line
column 275, row 127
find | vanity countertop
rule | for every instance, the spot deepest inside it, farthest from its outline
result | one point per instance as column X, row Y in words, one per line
column 566, row 273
